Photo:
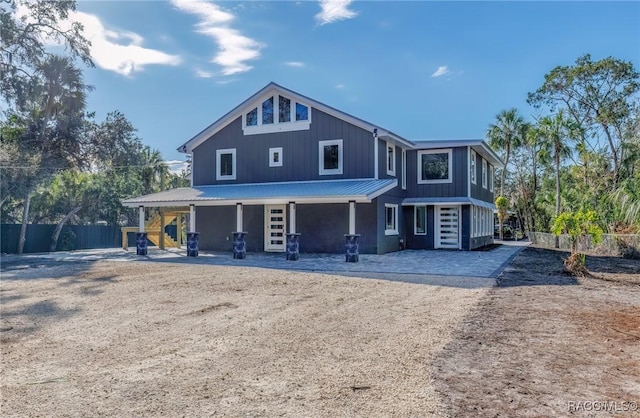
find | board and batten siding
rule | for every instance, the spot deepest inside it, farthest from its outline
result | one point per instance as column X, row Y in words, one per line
column 299, row 153
column 477, row 191
column 458, row 185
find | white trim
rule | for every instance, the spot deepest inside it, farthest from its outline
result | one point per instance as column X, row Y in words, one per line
column 491, row 177
column 333, row 171
column 272, row 152
column 391, row 171
column 438, row 226
column 239, row 212
column 352, row 217
column 484, row 173
column 395, row 220
column 140, row 218
column 375, row 157
column 277, row 127
column 268, row 247
column 435, row 151
column 292, row 217
column 192, row 218
column 473, row 169
column 404, row 169
column 234, row 167
column 415, row 220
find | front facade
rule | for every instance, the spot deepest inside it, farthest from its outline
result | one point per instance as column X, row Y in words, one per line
column 282, row 163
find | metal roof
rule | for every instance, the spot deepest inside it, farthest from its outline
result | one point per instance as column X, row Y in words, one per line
column 323, row 191
column 416, row 201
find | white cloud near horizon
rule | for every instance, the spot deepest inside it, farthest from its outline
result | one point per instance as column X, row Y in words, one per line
column 113, row 50
column 440, row 71
column 235, row 49
column 203, row 74
column 176, row 166
column 334, row 10
column 297, row 64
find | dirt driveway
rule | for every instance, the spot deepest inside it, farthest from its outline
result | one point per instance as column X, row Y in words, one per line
column 162, row 339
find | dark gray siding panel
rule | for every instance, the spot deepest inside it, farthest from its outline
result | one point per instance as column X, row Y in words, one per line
column 216, row 225
column 458, row 186
column 300, row 152
column 465, row 229
column 419, row 242
column 323, row 226
column 477, row 191
column 382, row 161
column 389, row 243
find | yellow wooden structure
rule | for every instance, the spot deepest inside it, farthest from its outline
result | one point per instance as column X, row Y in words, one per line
column 156, row 224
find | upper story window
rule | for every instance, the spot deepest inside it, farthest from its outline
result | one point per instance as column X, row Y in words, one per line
column 391, row 159
column 226, row 164
column 275, row 114
column 330, row 157
column 434, row 166
column 491, row 174
column 484, row 173
column 472, row 167
column 275, row 157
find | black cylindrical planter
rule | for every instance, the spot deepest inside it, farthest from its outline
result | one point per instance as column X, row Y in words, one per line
column 239, row 245
column 192, row 244
column 293, row 247
column 141, row 243
column 351, row 247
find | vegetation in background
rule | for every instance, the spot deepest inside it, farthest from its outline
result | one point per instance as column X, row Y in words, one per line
column 578, row 225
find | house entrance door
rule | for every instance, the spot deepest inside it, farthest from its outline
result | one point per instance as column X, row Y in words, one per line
column 447, row 230
column 275, row 228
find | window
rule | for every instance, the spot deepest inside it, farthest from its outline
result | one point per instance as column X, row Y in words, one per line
column 330, row 157
column 472, row 167
column 267, row 111
column 420, row 226
column 434, row 166
column 252, row 117
column 484, row 173
column 284, row 109
column 275, row 157
column 226, row 164
column 391, row 159
column 491, row 174
column 302, row 112
column 391, row 219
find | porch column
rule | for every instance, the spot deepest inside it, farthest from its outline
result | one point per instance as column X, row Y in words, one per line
column 293, row 239
column 192, row 235
column 352, row 253
column 141, row 236
column 239, row 237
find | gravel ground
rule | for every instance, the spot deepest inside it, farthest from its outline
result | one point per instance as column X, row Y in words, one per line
column 161, row 339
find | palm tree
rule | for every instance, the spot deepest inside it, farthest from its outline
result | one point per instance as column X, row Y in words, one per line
column 507, row 133
column 154, row 172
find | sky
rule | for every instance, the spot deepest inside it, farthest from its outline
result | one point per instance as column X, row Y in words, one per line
column 422, row 69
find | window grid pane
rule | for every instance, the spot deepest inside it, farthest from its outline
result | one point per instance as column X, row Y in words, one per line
column 267, row 111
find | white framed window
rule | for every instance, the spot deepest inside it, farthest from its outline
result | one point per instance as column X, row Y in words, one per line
column 491, row 175
column 420, row 220
column 484, row 173
column 472, row 167
column 226, row 164
column 276, row 113
column 391, row 219
column 275, row 157
column 391, row 159
column 404, row 169
column 330, row 157
column 434, row 166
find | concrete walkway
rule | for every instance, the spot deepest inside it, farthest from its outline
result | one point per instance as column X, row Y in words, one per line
column 442, row 267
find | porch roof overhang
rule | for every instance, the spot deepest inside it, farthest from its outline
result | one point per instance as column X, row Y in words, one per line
column 321, row 191
column 440, row 201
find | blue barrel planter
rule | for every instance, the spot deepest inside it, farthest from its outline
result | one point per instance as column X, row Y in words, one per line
column 293, row 247
column 239, row 245
column 192, row 244
column 351, row 247
column 141, row 243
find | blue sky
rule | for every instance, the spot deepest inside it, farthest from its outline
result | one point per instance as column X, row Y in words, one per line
column 424, row 70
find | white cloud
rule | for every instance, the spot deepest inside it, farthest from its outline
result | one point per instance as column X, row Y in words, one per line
column 234, row 48
column 440, row 71
column 203, row 74
column 296, row 64
column 176, row 166
column 334, row 10
column 339, row 86
column 118, row 51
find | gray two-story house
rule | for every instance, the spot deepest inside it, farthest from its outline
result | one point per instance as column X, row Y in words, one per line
column 281, row 163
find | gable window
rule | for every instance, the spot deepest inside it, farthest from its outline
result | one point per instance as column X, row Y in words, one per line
column 267, row 111
column 226, row 164
column 484, row 173
column 391, row 219
column 302, row 112
column 284, row 109
column 472, row 167
column 330, row 157
column 252, row 117
column 275, row 157
column 420, row 225
column 434, row 166
column 391, row 159
column 491, row 174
